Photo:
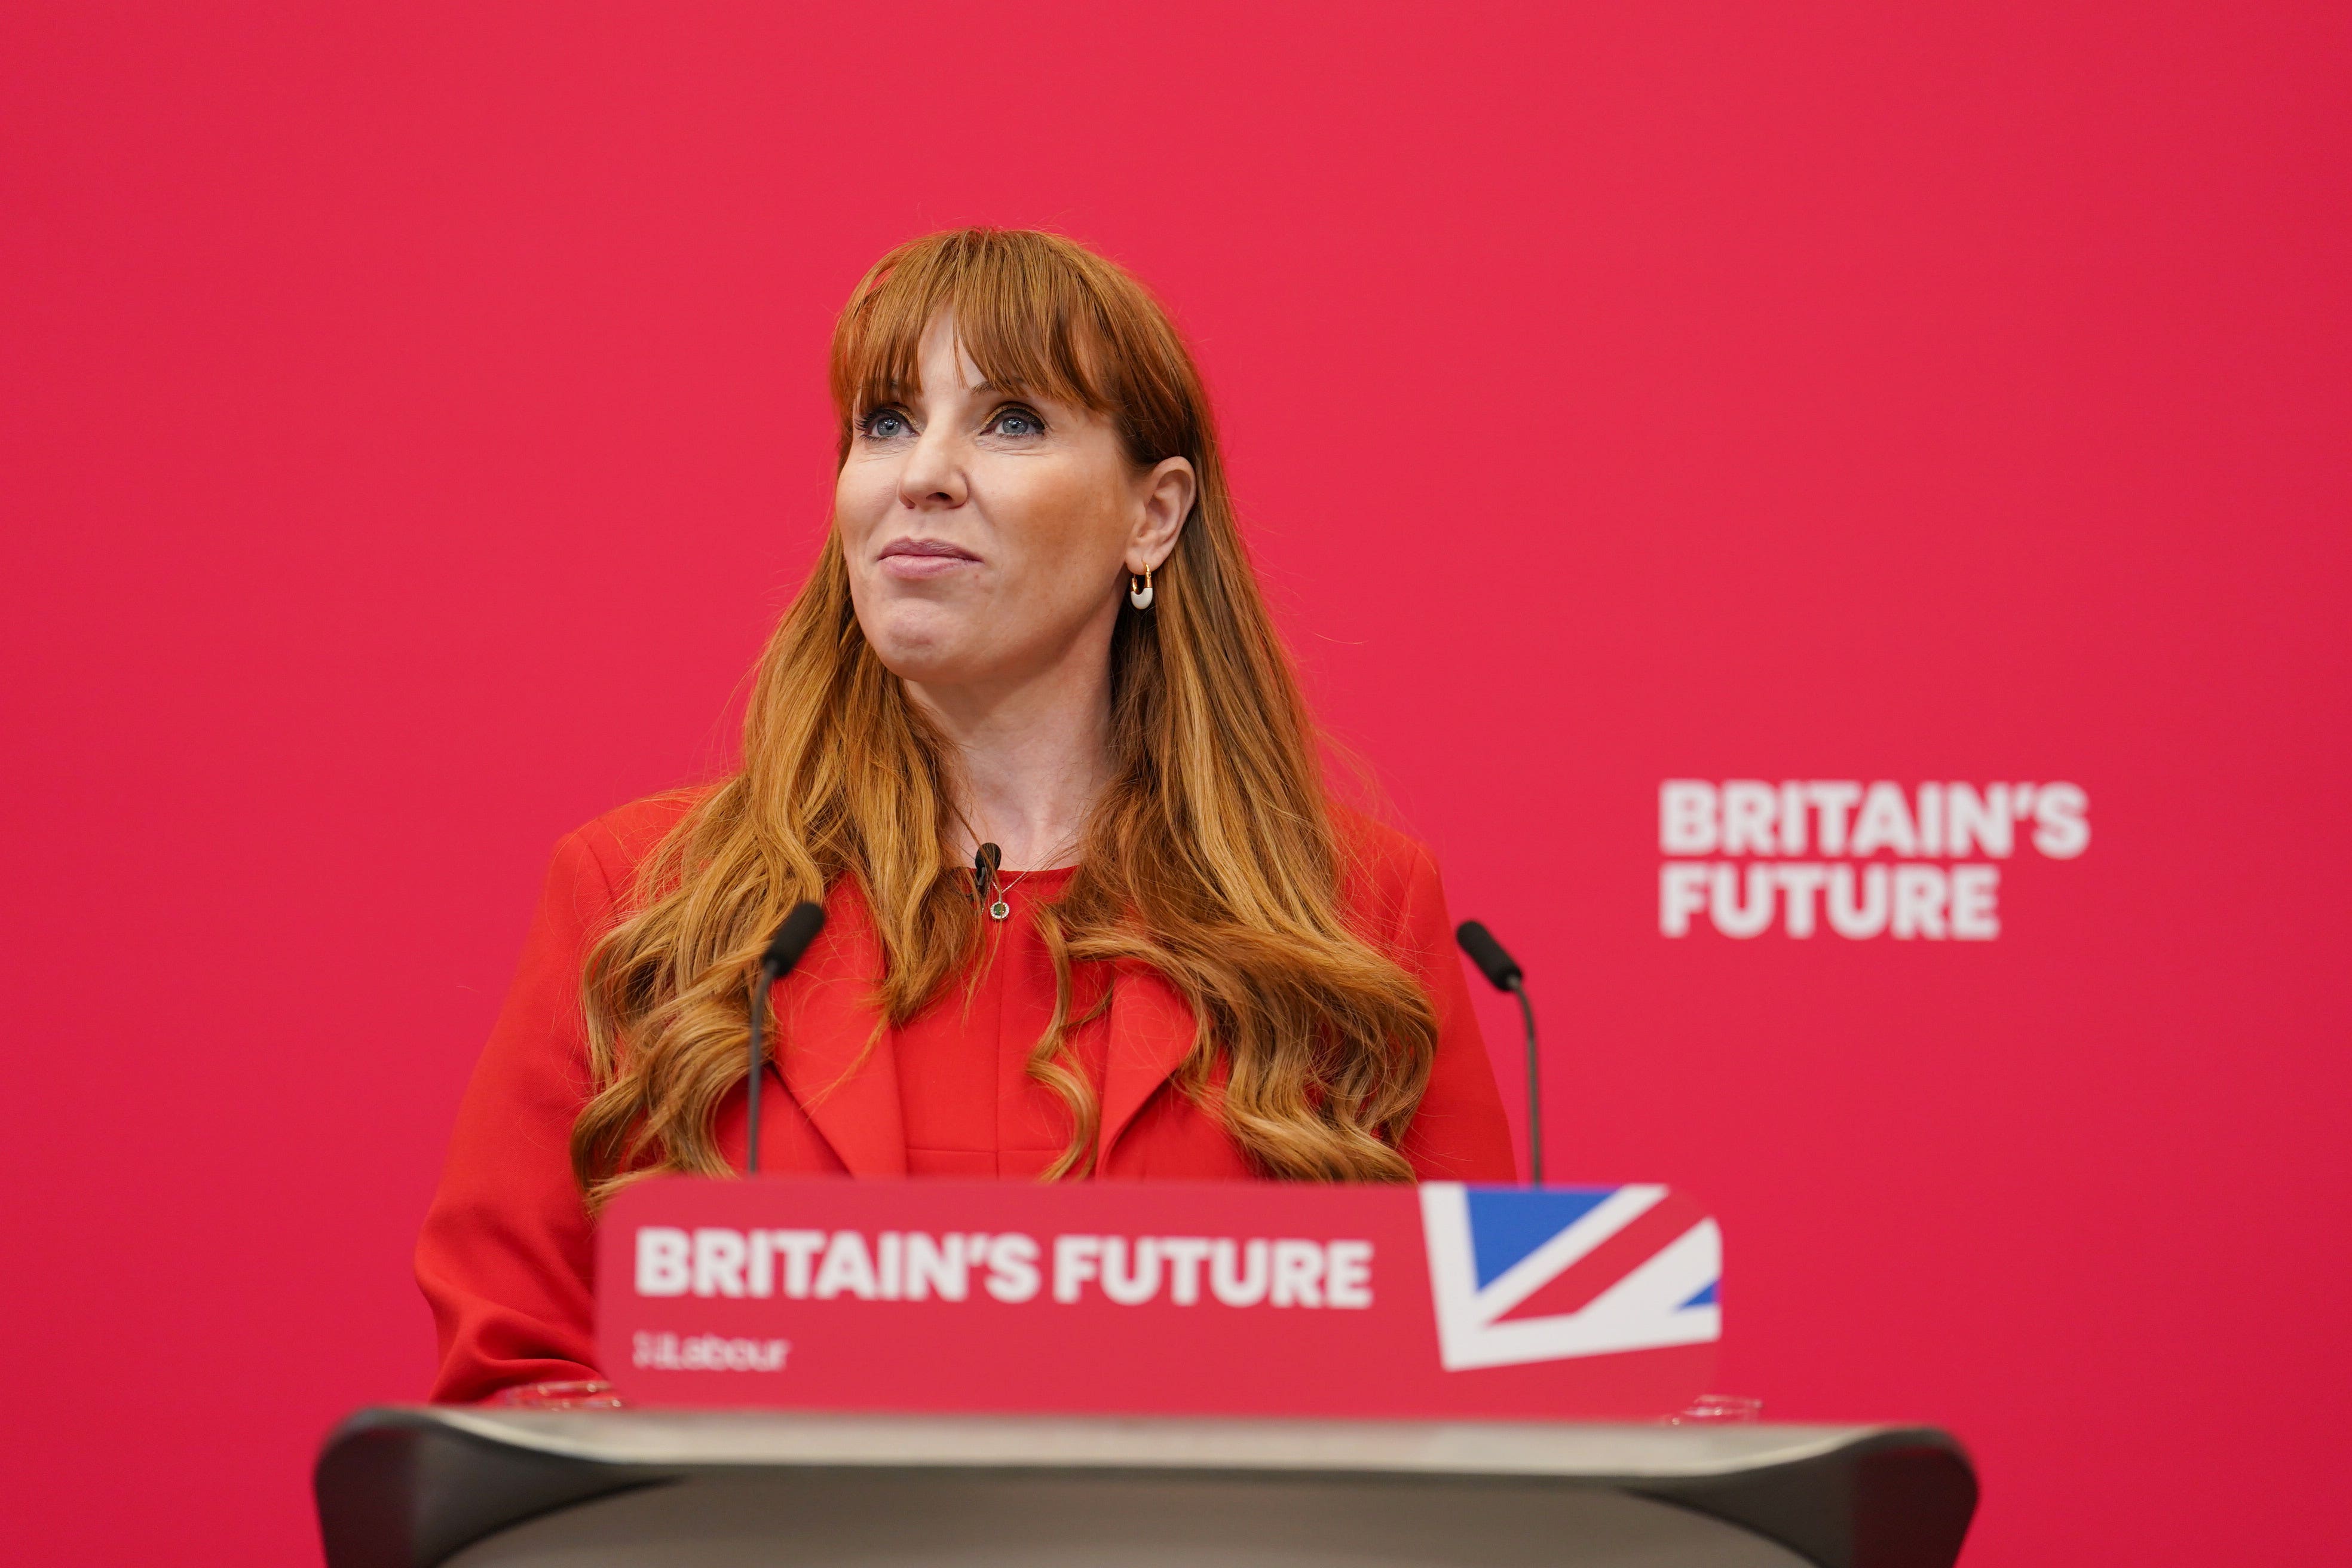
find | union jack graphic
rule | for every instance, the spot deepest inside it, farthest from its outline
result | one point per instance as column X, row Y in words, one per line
column 1527, row 1274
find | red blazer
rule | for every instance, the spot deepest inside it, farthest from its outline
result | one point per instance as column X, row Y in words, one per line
column 506, row 1257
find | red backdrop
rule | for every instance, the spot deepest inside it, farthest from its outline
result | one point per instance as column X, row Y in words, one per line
column 413, row 424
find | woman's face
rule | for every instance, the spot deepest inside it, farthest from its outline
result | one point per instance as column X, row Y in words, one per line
column 989, row 536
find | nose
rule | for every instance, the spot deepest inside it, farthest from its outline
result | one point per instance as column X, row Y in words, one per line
column 934, row 477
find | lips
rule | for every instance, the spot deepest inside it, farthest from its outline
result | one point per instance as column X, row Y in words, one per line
column 915, row 560
column 937, row 548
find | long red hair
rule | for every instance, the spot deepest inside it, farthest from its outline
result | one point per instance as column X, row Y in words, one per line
column 1211, row 856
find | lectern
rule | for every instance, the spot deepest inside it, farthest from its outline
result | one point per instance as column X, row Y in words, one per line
column 413, row 1487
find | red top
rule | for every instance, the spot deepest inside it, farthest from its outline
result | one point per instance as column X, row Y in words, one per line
column 970, row 1107
column 506, row 1257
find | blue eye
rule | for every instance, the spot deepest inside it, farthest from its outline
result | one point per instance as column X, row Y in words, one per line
column 1017, row 422
column 885, row 424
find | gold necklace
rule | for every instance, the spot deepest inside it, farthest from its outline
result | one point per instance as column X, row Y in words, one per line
column 1000, row 910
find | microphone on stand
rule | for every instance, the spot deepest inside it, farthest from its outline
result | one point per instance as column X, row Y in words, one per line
column 784, row 948
column 1502, row 971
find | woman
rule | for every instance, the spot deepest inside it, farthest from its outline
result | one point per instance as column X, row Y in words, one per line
column 1032, row 626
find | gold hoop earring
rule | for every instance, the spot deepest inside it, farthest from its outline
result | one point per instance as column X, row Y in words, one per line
column 1141, row 598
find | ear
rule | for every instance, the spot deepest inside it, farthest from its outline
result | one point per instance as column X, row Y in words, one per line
column 1167, row 493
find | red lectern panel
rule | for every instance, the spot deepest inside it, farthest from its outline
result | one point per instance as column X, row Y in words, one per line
column 1160, row 1297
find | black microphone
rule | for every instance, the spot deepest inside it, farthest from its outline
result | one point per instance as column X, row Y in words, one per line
column 984, row 866
column 1503, row 973
column 784, row 948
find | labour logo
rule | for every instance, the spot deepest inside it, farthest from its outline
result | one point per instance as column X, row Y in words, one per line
column 1528, row 1274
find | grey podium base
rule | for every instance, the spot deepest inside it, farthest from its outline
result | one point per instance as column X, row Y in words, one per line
column 415, row 1487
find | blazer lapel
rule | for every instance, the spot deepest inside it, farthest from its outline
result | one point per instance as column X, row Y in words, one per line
column 1150, row 1035
column 825, row 1017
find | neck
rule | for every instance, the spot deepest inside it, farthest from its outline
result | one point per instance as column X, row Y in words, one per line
column 1035, row 756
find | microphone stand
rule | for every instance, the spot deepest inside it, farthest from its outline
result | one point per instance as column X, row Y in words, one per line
column 1503, row 973
column 1535, row 1086
column 784, row 948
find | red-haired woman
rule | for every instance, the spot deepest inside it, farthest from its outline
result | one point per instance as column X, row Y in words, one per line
column 1032, row 624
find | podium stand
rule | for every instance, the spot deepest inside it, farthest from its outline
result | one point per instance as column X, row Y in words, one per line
column 413, row 1487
